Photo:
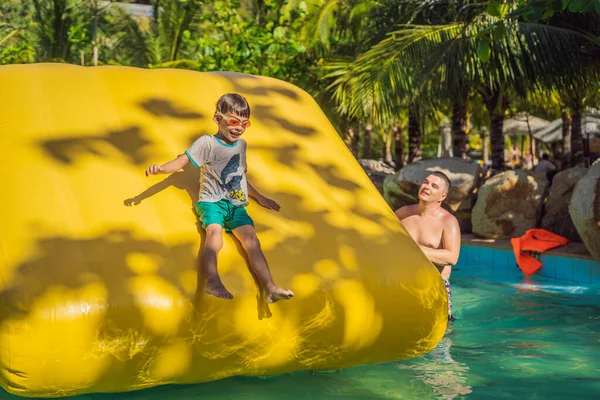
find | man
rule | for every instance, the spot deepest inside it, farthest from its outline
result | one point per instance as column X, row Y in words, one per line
column 435, row 230
column 545, row 167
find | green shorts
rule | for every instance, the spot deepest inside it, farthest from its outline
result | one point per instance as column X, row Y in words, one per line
column 223, row 213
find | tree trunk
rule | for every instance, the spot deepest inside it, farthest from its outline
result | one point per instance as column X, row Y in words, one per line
column 497, row 140
column 459, row 129
column 486, row 148
column 414, row 136
column 566, row 139
column 531, row 143
column 578, row 159
column 445, row 143
column 95, row 39
column 348, row 133
column 355, row 140
column 398, row 147
column 556, row 154
column 386, row 151
column 496, row 105
column 367, row 141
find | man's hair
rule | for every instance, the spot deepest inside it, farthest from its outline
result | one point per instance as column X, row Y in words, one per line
column 234, row 104
column 444, row 177
column 545, row 156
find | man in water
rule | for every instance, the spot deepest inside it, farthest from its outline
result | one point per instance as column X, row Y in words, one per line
column 435, row 230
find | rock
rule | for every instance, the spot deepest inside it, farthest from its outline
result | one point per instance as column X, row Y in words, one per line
column 401, row 189
column 464, row 221
column 508, row 204
column 584, row 209
column 377, row 171
column 556, row 218
column 376, row 166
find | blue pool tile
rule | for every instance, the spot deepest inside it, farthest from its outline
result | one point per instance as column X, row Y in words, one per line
column 486, row 257
column 513, row 270
column 564, row 268
column 502, row 259
column 462, row 256
column 595, row 272
column 581, row 270
column 548, row 266
column 473, row 258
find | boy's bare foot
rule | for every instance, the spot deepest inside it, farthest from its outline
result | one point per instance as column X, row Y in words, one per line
column 275, row 293
column 218, row 290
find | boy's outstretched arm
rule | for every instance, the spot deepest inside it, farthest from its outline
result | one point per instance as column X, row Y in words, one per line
column 169, row 167
column 262, row 200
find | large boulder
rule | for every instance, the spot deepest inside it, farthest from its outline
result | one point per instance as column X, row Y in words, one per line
column 508, row 204
column 585, row 210
column 402, row 188
column 377, row 171
column 556, row 217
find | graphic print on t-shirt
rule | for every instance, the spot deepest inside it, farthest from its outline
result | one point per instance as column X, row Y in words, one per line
column 233, row 187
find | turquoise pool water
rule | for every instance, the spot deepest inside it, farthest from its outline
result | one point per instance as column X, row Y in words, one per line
column 511, row 339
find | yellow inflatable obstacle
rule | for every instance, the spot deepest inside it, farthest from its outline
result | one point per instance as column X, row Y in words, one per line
column 98, row 262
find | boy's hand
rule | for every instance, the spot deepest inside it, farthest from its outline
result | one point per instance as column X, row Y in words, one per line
column 154, row 169
column 268, row 203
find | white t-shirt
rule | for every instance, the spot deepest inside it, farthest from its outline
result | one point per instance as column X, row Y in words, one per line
column 222, row 169
column 543, row 167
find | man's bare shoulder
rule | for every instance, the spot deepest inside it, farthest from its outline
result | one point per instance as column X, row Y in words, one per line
column 448, row 218
column 406, row 211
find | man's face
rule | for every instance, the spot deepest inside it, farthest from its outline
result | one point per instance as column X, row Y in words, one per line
column 433, row 189
column 231, row 126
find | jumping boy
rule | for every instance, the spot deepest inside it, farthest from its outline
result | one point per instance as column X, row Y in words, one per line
column 224, row 193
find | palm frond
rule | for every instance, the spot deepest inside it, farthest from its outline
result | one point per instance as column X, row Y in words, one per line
column 427, row 62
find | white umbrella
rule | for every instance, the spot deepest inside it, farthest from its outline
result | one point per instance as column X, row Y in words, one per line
column 521, row 124
column 590, row 127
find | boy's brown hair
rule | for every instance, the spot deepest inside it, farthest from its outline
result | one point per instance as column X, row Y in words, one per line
column 235, row 104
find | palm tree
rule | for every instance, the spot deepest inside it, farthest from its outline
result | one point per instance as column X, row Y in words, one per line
column 346, row 28
column 96, row 7
column 157, row 42
column 57, row 25
column 442, row 60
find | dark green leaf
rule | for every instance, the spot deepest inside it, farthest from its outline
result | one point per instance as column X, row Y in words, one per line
column 579, row 5
column 547, row 14
column 499, row 31
column 483, row 51
column 494, row 9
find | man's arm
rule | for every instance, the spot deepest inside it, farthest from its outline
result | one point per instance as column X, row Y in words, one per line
column 448, row 254
column 262, row 200
column 169, row 167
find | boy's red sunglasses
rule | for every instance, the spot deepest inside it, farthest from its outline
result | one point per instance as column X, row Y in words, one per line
column 233, row 121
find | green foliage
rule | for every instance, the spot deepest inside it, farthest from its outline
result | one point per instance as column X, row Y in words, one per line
column 17, row 53
column 16, row 41
column 378, row 57
column 228, row 41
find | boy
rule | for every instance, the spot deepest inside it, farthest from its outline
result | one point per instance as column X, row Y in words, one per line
column 224, row 193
